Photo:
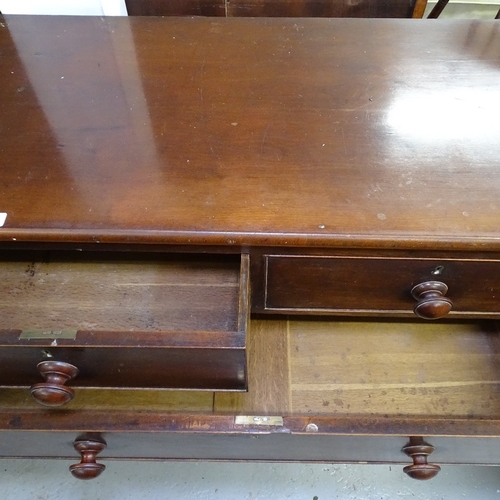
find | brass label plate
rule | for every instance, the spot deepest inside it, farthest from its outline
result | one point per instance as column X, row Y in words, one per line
column 258, row 420
column 48, row 334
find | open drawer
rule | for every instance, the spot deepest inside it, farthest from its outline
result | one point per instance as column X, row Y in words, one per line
column 323, row 391
column 122, row 320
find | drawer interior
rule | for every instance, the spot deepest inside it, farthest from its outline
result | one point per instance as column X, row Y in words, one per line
column 396, row 369
column 125, row 319
column 345, row 369
column 373, row 368
column 118, row 292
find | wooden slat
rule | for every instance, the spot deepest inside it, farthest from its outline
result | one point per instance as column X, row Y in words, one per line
column 115, row 401
column 127, row 294
column 419, row 9
column 268, row 373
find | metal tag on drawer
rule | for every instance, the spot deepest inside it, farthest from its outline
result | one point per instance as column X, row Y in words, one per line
column 48, row 334
column 258, row 420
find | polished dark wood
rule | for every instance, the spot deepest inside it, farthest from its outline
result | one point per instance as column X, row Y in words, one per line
column 176, row 7
column 349, row 160
column 321, row 8
column 418, row 450
column 311, row 132
column 89, row 448
column 54, row 391
column 273, row 8
column 431, row 300
column 388, row 285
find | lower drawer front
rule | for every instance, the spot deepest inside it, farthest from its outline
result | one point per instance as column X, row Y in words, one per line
column 123, row 320
column 232, row 446
column 378, row 286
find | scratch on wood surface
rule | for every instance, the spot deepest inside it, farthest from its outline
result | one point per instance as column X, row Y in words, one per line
column 343, row 140
column 197, row 285
column 336, row 387
column 202, row 74
column 264, row 139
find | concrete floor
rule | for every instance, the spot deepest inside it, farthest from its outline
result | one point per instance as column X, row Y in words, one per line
column 44, row 480
column 50, row 479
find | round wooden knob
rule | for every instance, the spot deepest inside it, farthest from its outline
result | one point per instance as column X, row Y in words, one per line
column 88, row 468
column 432, row 303
column 54, row 392
column 420, row 469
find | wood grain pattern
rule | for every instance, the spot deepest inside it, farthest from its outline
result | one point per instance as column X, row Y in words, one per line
column 120, row 293
column 268, row 373
column 286, row 132
column 395, row 368
column 117, row 401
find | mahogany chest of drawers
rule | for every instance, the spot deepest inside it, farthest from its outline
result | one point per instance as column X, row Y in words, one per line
column 164, row 178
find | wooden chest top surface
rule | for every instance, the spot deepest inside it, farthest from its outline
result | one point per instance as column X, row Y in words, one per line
column 300, row 132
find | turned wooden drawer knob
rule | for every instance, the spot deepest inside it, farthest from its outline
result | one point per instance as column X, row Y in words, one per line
column 88, row 468
column 54, row 392
column 432, row 303
column 418, row 450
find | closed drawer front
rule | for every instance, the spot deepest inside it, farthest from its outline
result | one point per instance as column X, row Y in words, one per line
column 125, row 320
column 228, row 444
column 379, row 286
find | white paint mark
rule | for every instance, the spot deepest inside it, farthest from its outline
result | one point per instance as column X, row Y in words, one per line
column 381, row 216
column 3, row 217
